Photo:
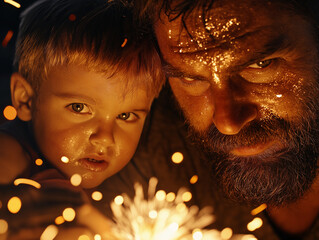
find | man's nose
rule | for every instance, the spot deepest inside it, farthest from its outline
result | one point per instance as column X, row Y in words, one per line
column 232, row 114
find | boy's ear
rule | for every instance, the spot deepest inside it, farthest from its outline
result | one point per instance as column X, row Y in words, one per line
column 21, row 96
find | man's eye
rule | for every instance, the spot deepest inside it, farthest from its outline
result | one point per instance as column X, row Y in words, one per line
column 261, row 64
column 127, row 116
column 79, row 108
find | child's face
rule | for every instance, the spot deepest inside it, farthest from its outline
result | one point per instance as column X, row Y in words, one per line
column 86, row 117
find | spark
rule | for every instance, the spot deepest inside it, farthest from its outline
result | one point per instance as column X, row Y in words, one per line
column 76, row 179
column 97, row 196
column 68, row 214
column 226, row 233
column 59, row 220
column 65, row 159
column 13, row 3
column 259, row 209
column 49, row 233
column 27, row 181
column 10, row 113
column 177, row 157
column 3, row 226
column 124, row 43
column 255, row 224
column 14, row 205
column 7, row 38
column 193, row 179
column 38, row 162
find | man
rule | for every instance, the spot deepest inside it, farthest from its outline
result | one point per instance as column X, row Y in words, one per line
column 245, row 75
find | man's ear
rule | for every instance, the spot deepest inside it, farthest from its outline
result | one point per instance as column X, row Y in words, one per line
column 21, row 96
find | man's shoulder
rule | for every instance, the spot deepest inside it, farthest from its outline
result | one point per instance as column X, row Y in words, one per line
column 13, row 159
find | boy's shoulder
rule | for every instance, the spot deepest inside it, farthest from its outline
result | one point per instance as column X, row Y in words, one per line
column 13, row 158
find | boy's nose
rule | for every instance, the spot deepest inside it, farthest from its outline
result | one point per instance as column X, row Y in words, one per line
column 231, row 115
column 103, row 135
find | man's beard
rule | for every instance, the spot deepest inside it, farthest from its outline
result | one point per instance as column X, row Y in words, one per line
column 275, row 176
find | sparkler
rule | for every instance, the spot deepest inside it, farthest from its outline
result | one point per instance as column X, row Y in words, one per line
column 159, row 218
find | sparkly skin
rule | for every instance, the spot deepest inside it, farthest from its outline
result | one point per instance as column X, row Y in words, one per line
column 246, row 61
column 224, row 81
column 96, row 133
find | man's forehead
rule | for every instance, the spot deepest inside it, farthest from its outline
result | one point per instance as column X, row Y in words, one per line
column 225, row 20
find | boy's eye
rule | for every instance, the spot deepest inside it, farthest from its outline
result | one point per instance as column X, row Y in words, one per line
column 128, row 116
column 79, row 108
column 261, row 64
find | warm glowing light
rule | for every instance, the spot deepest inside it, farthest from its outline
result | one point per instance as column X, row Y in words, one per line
column 72, row 17
column 14, row 205
column 13, row 3
column 3, row 226
column 38, row 162
column 197, row 234
column 118, row 200
column 27, row 181
column 7, row 38
column 160, row 195
column 59, row 220
column 181, row 207
column 170, row 197
column 68, row 214
column 124, row 43
column 65, row 159
column 194, row 179
column 248, row 237
column 152, row 214
column 97, row 196
column 278, row 95
column 49, row 233
column 255, row 224
column 226, row 233
column 177, row 157
column 10, row 112
column 76, row 179
column 259, row 209
column 187, row 196
column 84, row 237
column 97, row 237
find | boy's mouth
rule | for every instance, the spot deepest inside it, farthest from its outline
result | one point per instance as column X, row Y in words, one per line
column 92, row 164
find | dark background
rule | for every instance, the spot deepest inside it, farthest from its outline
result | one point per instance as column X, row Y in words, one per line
column 9, row 21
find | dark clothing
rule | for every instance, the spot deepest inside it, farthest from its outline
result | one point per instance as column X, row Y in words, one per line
column 20, row 131
column 165, row 135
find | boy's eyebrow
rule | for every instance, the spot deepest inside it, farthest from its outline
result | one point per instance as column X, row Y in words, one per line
column 76, row 96
column 172, row 71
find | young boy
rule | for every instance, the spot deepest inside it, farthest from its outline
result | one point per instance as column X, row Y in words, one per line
column 85, row 79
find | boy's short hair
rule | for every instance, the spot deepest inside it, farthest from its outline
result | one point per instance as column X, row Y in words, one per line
column 98, row 34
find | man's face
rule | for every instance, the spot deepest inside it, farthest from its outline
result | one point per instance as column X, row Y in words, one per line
column 244, row 75
column 91, row 119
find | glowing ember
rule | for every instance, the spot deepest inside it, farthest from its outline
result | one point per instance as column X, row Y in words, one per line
column 194, row 179
column 124, row 43
column 76, row 179
column 3, row 226
column 7, row 38
column 10, row 112
column 97, row 237
column 68, row 214
column 59, row 220
column 255, row 224
column 259, row 209
column 97, row 196
column 49, row 233
column 38, row 162
column 27, row 181
column 177, row 157
column 14, row 205
column 65, row 159
column 13, row 3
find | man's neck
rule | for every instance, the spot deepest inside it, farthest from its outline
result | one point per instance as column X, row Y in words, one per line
column 296, row 218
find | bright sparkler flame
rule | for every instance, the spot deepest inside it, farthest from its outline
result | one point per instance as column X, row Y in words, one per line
column 157, row 218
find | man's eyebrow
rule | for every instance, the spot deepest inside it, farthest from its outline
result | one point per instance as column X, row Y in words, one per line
column 172, row 71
